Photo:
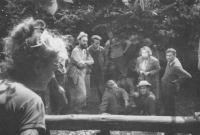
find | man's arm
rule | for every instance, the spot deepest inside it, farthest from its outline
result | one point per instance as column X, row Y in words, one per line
column 125, row 96
column 32, row 121
column 30, row 132
column 104, row 104
column 182, row 73
column 77, row 58
column 89, row 60
column 152, row 106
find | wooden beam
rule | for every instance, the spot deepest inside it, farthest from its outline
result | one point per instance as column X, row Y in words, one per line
column 123, row 123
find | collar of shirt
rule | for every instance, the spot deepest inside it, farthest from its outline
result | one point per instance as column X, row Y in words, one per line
column 170, row 63
column 98, row 49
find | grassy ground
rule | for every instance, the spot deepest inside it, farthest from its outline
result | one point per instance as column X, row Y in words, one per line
column 186, row 103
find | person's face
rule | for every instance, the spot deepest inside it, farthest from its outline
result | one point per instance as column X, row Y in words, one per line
column 145, row 54
column 110, row 35
column 122, row 81
column 114, row 86
column 96, row 44
column 83, row 42
column 170, row 56
column 143, row 89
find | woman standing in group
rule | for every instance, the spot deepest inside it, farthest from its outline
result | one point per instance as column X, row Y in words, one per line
column 148, row 67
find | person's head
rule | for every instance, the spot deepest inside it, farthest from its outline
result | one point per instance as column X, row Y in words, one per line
column 35, row 53
column 115, row 41
column 111, row 85
column 143, row 87
column 110, row 33
column 145, row 52
column 83, row 40
column 95, row 41
column 134, row 38
column 147, row 42
column 69, row 40
column 170, row 54
column 122, row 79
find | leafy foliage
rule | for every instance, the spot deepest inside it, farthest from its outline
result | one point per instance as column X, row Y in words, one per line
column 169, row 23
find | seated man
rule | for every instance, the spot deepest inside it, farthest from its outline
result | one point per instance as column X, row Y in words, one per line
column 144, row 99
column 115, row 99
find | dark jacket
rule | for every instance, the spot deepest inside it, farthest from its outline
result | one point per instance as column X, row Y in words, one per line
column 146, row 103
column 101, row 56
column 153, row 67
column 112, row 102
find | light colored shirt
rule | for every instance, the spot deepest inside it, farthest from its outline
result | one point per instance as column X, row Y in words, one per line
column 81, row 56
column 144, row 63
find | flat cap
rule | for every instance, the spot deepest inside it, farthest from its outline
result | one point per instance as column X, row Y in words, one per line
column 96, row 37
column 82, row 34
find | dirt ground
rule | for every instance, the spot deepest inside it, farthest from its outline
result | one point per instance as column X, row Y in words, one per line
column 186, row 104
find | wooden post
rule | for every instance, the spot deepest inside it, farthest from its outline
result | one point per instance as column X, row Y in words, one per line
column 199, row 55
column 123, row 123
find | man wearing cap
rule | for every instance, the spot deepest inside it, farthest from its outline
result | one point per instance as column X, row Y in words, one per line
column 80, row 59
column 174, row 75
column 144, row 99
column 115, row 99
column 98, row 68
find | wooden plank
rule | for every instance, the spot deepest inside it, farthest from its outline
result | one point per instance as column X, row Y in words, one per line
column 123, row 123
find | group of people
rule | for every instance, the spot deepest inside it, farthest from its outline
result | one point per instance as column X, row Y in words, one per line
column 37, row 60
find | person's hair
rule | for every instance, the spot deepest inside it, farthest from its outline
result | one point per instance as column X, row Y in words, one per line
column 147, row 49
column 29, row 42
column 95, row 37
column 110, row 83
column 172, row 50
column 121, row 77
column 147, row 41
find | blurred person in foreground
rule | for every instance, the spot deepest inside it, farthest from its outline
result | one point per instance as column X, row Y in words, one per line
column 59, row 89
column 99, row 67
column 34, row 54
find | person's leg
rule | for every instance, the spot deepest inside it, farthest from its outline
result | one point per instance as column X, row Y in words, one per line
column 80, row 94
column 99, row 86
column 53, row 97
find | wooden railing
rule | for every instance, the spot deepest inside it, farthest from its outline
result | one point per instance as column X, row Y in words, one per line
column 123, row 123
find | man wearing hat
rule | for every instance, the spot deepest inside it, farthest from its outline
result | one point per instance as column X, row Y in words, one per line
column 144, row 99
column 80, row 59
column 174, row 74
column 115, row 100
column 98, row 68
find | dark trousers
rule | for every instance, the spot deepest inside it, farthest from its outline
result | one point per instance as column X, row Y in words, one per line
column 168, row 97
column 97, row 80
column 59, row 103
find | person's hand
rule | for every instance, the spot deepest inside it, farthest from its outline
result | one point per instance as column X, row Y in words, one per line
column 197, row 115
column 126, row 103
column 135, row 94
column 61, row 90
column 146, row 73
column 141, row 72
